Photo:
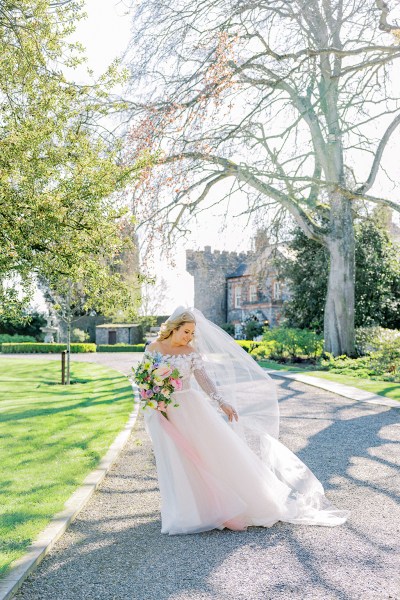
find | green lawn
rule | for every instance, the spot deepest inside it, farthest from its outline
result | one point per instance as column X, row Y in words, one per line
column 382, row 388
column 51, row 437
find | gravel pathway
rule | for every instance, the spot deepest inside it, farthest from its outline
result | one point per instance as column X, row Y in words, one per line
column 115, row 551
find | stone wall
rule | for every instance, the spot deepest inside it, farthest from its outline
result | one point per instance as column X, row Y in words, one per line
column 124, row 335
column 264, row 306
column 87, row 323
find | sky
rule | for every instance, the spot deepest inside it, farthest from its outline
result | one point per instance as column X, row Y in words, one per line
column 105, row 35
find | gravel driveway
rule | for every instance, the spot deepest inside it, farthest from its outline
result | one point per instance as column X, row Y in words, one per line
column 115, row 551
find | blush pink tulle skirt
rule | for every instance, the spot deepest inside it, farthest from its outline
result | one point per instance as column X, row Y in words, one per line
column 209, row 477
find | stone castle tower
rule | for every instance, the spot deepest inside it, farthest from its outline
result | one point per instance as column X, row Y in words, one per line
column 209, row 270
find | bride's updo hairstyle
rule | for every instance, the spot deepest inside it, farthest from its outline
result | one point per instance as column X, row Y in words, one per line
column 174, row 322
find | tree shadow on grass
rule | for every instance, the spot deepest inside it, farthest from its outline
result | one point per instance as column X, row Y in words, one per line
column 86, row 402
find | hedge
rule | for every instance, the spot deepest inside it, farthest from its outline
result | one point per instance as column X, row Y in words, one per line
column 121, row 348
column 42, row 348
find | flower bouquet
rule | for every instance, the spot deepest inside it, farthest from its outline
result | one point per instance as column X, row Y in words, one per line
column 157, row 380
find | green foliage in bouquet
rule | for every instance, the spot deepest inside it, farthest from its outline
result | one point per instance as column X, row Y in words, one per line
column 157, row 380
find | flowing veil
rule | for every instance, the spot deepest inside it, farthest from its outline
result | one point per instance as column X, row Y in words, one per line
column 240, row 381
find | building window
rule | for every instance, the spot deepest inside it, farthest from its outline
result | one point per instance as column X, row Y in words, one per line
column 253, row 293
column 238, row 296
column 277, row 290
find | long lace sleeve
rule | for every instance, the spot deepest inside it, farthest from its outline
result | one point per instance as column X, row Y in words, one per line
column 206, row 384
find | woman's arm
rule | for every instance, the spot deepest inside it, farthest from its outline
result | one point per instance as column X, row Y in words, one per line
column 208, row 386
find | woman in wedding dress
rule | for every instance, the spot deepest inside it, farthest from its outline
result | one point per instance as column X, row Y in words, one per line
column 219, row 461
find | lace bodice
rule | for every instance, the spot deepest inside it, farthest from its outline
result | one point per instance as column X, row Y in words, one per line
column 188, row 365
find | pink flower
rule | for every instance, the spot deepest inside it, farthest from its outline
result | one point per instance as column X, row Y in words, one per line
column 177, row 384
column 162, row 372
column 143, row 394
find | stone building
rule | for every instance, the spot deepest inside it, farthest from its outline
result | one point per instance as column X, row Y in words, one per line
column 115, row 333
column 254, row 291
column 210, row 270
column 233, row 288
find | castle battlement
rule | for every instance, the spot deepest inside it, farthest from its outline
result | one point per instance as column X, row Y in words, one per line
column 198, row 259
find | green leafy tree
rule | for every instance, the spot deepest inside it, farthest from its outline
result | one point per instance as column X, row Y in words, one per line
column 377, row 287
column 307, row 276
column 29, row 326
column 59, row 170
column 377, row 277
column 253, row 329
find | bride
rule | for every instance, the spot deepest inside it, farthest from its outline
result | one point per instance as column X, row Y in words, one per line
column 219, row 461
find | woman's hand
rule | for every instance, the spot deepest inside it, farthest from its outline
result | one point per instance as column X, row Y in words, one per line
column 230, row 412
column 161, row 406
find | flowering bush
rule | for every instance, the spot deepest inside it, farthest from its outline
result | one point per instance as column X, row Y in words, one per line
column 370, row 339
column 157, row 380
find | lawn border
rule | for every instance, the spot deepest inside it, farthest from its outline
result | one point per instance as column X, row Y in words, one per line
column 347, row 391
column 23, row 566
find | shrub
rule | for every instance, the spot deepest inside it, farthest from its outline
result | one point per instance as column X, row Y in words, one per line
column 78, row 335
column 229, row 328
column 253, row 329
column 121, row 348
column 383, row 365
column 387, row 360
column 42, row 348
column 248, row 345
column 263, row 350
column 30, row 326
column 371, row 339
column 294, row 343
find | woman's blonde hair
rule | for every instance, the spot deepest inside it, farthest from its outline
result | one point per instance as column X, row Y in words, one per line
column 171, row 324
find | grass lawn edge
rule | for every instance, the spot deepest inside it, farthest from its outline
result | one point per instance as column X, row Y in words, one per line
column 113, row 389
column 386, row 389
column 23, row 566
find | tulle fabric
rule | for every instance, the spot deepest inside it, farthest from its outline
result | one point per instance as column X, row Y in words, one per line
column 239, row 380
column 210, row 478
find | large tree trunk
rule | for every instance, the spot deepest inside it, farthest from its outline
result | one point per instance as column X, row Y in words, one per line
column 339, row 307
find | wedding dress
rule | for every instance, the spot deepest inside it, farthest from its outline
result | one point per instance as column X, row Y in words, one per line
column 209, row 476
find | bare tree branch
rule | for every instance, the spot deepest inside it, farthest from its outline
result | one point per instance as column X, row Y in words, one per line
column 378, row 156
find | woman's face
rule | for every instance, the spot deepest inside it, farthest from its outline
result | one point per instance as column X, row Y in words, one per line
column 184, row 334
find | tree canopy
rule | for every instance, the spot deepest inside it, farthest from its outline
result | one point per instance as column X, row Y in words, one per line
column 59, row 169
